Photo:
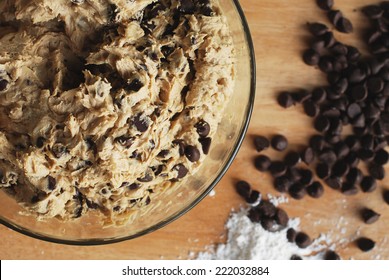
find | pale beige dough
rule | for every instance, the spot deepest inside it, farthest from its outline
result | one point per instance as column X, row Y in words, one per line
column 99, row 99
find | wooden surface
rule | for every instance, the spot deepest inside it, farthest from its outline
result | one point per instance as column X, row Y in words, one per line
column 278, row 30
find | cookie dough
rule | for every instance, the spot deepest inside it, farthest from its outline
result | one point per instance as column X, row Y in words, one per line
column 106, row 103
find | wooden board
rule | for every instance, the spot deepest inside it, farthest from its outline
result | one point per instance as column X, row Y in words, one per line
column 278, row 29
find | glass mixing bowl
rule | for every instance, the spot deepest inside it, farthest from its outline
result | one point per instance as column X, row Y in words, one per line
column 171, row 205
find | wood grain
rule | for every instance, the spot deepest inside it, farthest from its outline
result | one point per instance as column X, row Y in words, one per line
column 279, row 33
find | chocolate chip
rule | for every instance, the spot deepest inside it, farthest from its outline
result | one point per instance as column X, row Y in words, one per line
column 349, row 189
column 297, row 190
column 300, row 96
column 373, row 11
column 296, row 258
column 140, row 123
column 334, row 182
column 369, row 216
column 306, row 176
column 192, row 153
column 354, row 176
column 202, row 128
column 147, row 178
column 254, row 215
column 311, row 57
column 3, row 84
column 365, row 244
column 331, row 255
column 328, row 156
column 279, row 142
column 243, row 188
column 163, row 153
column 319, row 95
column 132, row 186
column 262, row 163
column 325, row 5
column 292, row 158
column 277, row 168
column 308, row 155
column 326, row 64
column 377, row 171
column 267, row 209
column 52, row 183
column 353, row 110
column 344, row 25
column 385, row 196
column 315, row 190
column 254, row 197
column 317, row 29
column 311, row 109
column 125, row 141
column 334, row 16
column 282, row 184
column 303, row 240
column 181, row 170
column 368, row 184
column 291, row 235
column 285, row 99
column 381, row 157
column 40, row 141
column 317, row 142
column 134, row 85
column 323, row 170
column 340, row 168
column 261, row 143
column 269, row 224
column 321, row 124
column 375, row 84
column 187, row 7
column 205, row 144
column 281, row 217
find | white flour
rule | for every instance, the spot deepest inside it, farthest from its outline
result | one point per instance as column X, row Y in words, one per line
column 249, row 241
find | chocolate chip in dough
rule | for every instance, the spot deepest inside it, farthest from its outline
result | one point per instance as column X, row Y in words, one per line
column 181, row 170
column 140, row 123
column 331, row 255
column 192, row 153
column 202, row 128
column 51, row 183
column 205, row 144
column 3, row 85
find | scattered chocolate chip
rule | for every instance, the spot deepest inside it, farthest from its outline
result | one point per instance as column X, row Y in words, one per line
column 381, row 157
column 261, row 143
column 134, row 85
column 311, row 57
column 282, row 184
column 354, row 176
column 267, row 209
column 163, row 153
column 302, row 240
column 279, row 142
column 254, row 197
column 344, row 25
column 192, row 153
column 349, row 188
column 373, row 11
column 365, row 244
column 368, row 184
column 331, row 255
column 308, row 155
column 243, row 188
column 281, row 217
column 147, row 178
column 306, row 177
column 297, row 190
column 285, row 99
column 315, row 190
column 310, row 108
column 277, row 168
column 321, row 124
column 334, row 16
column 323, row 170
column 292, row 158
column 334, row 182
column 262, row 163
column 385, row 196
column 291, row 235
column 269, row 224
column 369, row 216
column 317, row 29
column 296, row 258
column 377, row 171
column 325, row 5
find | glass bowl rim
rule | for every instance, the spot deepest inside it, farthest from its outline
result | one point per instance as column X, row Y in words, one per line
column 161, row 224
